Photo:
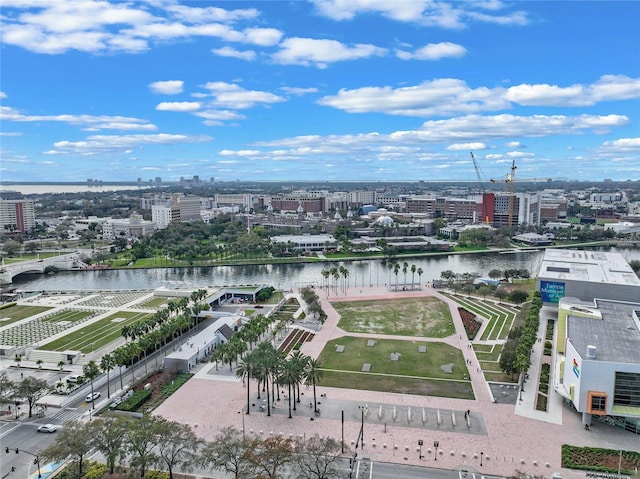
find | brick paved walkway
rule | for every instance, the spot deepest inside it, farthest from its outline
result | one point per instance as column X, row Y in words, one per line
column 510, row 437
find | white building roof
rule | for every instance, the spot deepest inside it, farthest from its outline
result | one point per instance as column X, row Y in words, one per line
column 588, row 266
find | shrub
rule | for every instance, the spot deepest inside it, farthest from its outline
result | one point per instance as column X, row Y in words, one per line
column 8, row 305
column 156, row 475
column 135, row 401
column 95, row 470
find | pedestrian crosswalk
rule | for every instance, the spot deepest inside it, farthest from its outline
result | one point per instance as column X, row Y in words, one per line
column 68, row 414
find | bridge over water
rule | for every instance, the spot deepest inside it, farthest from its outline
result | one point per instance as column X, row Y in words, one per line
column 65, row 262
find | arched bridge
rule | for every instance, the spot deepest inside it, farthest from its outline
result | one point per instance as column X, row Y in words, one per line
column 63, row 262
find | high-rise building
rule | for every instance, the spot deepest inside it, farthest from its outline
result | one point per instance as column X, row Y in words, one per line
column 17, row 216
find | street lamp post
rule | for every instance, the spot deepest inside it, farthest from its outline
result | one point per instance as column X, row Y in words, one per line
column 436, row 445
column 420, row 442
column 36, row 457
column 243, row 436
column 481, row 454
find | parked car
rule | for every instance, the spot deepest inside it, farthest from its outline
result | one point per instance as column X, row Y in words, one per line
column 74, row 378
column 92, row 397
column 47, row 428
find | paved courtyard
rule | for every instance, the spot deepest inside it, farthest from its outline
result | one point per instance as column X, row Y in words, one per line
column 509, row 436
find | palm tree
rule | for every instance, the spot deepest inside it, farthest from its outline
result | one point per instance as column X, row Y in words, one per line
column 396, row 270
column 39, row 362
column 91, row 371
column 413, row 274
column 107, row 363
column 245, row 370
column 61, row 365
column 288, row 377
column 299, row 361
column 405, row 266
column 419, row 271
column 312, row 375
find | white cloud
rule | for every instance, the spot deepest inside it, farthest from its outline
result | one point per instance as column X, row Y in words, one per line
column 519, row 154
column 298, row 91
column 466, row 146
column 99, row 26
column 424, row 12
column 622, row 145
column 123, row 143
column 439, row 97
column 10, row 133
column 240, row 153
column 515, row 144
column 450, row 96
column 87, row 121
column 320, row 52
column 607, row 88
column 264, row 37
column 232, row 96
column 183, row 106
column 233, row 53
column 167, row 87
column 434, row 51
column 3, row 95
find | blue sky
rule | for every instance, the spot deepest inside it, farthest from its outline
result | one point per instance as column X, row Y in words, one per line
column 329, row 90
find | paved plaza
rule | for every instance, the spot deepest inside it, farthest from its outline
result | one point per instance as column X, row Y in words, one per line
column 508, row 434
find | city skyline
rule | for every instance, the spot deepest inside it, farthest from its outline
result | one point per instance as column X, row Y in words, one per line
column 332, row 90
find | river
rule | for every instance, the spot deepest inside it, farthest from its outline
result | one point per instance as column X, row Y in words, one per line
column 361, row 273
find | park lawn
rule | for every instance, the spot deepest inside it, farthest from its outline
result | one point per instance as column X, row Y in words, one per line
column 498, row 377
column 70, row 315
column 275, row 298
column 155, row 302
column 411, row 362
column 396, row 384
column 97, row 334
column 424, row 317
column 19, row 312
column 490, row 355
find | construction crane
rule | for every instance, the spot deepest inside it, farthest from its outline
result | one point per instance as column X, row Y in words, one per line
column 481, row 184
column 510, row 188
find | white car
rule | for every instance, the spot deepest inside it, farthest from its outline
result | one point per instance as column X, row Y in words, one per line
column 92, row 397
column 47, row 428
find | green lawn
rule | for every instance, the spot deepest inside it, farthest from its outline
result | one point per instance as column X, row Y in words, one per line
column 411, row 362
column 403, row 385
column 69, row 315
column 17, row 313
column 155, row 302
column 423, row 317
column 97, row 334
column 413, row 373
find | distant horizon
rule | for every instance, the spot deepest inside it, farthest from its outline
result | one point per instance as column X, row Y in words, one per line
column 376, row 90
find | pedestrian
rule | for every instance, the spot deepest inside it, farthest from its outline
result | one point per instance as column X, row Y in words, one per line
column 21, row 376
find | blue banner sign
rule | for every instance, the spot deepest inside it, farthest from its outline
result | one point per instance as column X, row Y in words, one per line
column 551, row 291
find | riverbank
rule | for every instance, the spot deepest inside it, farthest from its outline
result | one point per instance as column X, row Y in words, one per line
column 329, row 258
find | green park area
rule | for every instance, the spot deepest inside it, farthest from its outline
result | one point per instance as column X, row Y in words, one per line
column 400, row 366
column 14, row 313
column 416, row 317
column 156, row 302
column 97, row 334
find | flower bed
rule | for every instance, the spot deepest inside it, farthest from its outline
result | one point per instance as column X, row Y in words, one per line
column 470, row 322
column 596, row 459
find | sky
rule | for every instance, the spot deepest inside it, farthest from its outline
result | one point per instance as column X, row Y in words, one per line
column 334, row 90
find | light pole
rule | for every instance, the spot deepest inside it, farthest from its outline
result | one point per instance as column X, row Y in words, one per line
column 243, row 436
column 420, row 442
column 436, row 445
column 35, row 461
column 481, row 454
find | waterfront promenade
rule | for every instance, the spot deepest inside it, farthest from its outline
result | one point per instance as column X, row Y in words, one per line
column 503, row 437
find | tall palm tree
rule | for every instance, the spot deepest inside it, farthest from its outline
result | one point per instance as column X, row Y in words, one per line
column 312, row 375
column 413, row 274
column 419, row 271
column 299, row 361
column 405, row 266
column 91, row 371
column 245, row 370
column 288, row 378
column 107, row 363
column 396, row 270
